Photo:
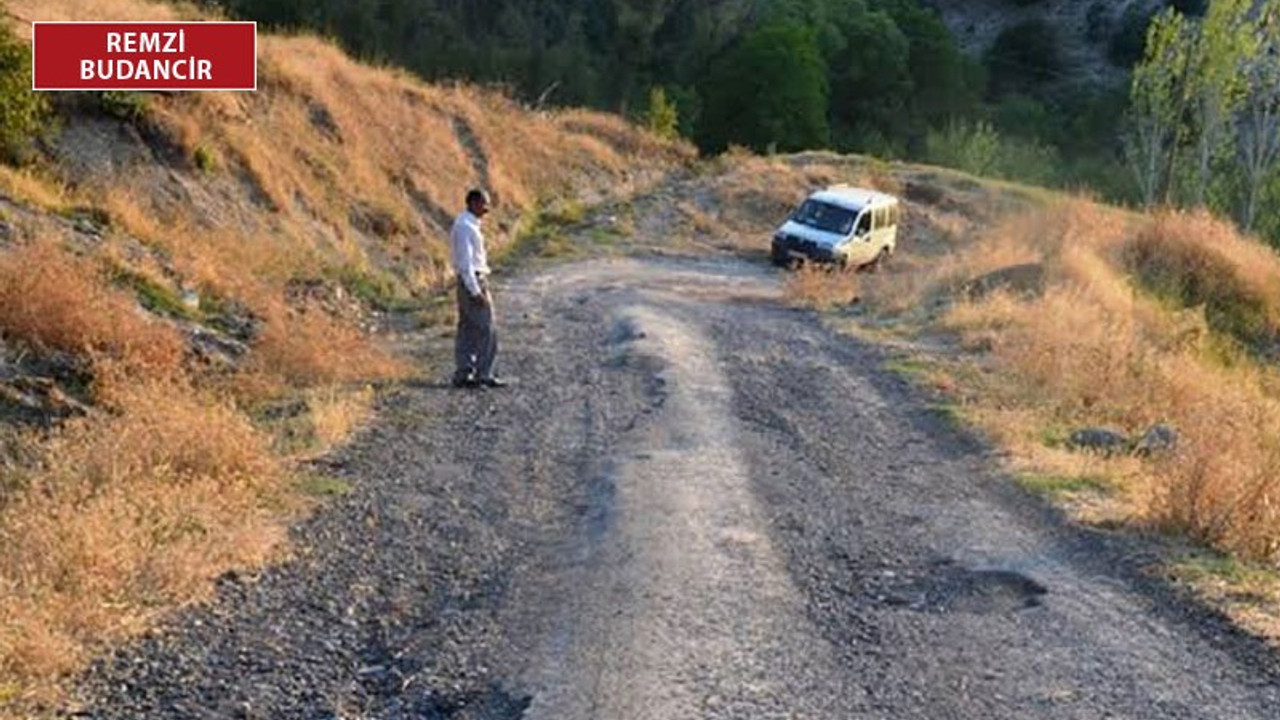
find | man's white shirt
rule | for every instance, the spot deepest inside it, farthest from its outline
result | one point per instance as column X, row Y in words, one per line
column 467, row 251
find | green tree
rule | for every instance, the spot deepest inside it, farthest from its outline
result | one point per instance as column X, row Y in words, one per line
column 1157, row 96
column 870, row 83
column 868, row 70
column 945, row 83
column 661, row 116
column 1216, row 83
column 1259, row 120
column 971, row 147
column 23, row 112
column 769, row 91
column 635, row 26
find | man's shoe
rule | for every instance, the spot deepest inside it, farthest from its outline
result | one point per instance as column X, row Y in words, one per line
column 465, row 382
column 493, row 382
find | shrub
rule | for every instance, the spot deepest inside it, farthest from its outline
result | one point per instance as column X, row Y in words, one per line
column 50, row 298
column 978, row 148
column 125, row 105
column 1024, row 116
column 973, row 148
column 1181, row 258
column 205, row 159
column 1028, row 161
column 769, row 91
column 661, row 116
column 23, row 112
column 306, row 346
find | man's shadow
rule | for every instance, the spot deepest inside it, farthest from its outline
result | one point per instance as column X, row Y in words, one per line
column 428, row 384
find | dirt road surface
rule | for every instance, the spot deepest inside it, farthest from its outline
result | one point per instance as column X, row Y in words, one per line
column 696, row 503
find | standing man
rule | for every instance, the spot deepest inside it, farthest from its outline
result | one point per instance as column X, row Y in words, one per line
column 476, row 344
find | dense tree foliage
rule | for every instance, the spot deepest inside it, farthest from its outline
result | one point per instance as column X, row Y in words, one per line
column 769, row 91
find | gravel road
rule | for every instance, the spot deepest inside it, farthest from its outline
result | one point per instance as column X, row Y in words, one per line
column 696, row 503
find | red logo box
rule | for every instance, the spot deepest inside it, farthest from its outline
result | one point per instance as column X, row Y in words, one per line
column 144, row 56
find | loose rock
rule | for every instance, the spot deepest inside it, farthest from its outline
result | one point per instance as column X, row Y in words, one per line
column 1103, row 440
column 1157, row 439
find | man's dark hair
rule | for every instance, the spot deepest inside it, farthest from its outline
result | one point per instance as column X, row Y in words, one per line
column 476, row 195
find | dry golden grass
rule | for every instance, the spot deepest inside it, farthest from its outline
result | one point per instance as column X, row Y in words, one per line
column 128, row 209
column 308, row 347
column 1193, row 260
column 821, row 288
column 127, row 513
column 28, row 187
column 337, row 414
column 53, row 299
column 751, row 193
column 1092, row 348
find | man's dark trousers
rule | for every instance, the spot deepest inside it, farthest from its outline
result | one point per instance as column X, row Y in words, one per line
column 476, row 345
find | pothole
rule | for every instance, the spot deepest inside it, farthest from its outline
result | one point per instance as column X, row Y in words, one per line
column 951, row 589
column 626, row 330
column 493, row 703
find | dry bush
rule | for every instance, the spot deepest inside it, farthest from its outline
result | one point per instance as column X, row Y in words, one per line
column 341, row 135
column 1093, row 350
column 881, row 176
column 167, row 424
column 821, row 288
column 623, row 138
column 1071, row 240
column 29, row 187
column 252, row 266
column 1193, row 259
column 308, row 424
column 337, row 415
column 129, row 209
column 753, row 194
column 1221, row 485
column 127, row 513
column 51, row 298
column 307, row 347
column 903, row 284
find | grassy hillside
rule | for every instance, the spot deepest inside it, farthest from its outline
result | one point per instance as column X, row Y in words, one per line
column 188, row 285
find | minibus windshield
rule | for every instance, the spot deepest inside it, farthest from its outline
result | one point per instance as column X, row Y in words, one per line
column 825, row 216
